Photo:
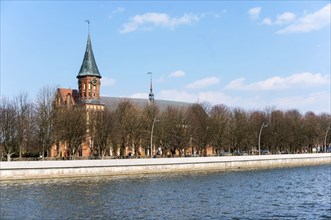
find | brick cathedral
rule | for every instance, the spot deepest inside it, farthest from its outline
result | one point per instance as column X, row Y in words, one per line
column 87, row 95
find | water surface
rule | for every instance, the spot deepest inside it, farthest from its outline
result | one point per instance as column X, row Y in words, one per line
column 288, row 193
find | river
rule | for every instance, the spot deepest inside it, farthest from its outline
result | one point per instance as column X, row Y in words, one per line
column 287, row 193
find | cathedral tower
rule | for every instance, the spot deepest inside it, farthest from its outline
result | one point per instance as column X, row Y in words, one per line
column 89, row 77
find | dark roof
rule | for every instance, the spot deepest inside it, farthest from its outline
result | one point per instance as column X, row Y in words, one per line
column 91, row 101
column 89, row 66
column 162, row 104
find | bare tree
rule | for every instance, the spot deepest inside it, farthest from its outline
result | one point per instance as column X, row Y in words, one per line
column 172, row 134
column 200, row 127
column 25, row 121
column 8, row 130
column 150, row 112
column 101, row 126
column 239, row 129
column 311, row 130
column 255, row 119
column 324, row 123
column 220, row 118
column 294, row 137
column 277, row 132
column 123, row 113
column 45, row 118
column 71, row 127
column 162, row 134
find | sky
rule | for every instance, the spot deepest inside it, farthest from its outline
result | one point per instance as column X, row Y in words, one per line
column 248, row 54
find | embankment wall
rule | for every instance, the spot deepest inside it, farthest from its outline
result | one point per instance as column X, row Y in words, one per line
column 78, row 168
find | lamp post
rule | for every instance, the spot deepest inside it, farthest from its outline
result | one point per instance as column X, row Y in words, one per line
column 262, row 126
column 152, row 135
column 326, row 135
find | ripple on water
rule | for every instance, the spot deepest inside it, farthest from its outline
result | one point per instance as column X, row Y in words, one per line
column 300, row 193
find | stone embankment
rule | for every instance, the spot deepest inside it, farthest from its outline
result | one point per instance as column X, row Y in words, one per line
column 79, row 168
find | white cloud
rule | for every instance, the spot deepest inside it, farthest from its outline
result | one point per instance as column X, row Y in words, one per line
column 236, row 84
column 212, row 14
column 267, row 21
column 177, row 74
column 306, row 102
column 281, row 19
column 203, row 83
column 215, row 97
column 285, row 18
column 310, row 22
column 150, row 20
column 255, row 12
column 212, row 97
column 305, row 79
column 317, row 102
column 105, row 81
column 175, row 95
column 118, row 10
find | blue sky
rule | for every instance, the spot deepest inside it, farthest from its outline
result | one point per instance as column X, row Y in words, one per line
column 249, row 54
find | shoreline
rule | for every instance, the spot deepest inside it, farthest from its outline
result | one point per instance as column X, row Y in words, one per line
column 24, row 170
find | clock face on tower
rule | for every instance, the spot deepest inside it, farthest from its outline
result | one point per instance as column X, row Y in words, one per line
column 94, row 81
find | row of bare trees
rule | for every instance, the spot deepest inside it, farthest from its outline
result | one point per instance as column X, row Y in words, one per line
column 198, row 126
column 31, row 127
column 26, row 126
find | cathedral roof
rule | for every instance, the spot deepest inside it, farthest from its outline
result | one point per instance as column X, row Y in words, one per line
column 89, row 66
column 112, row 102
column 64, row 93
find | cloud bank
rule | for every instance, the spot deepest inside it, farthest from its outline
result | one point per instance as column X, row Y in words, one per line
column 151, row 20
column 309, row 22
column 254, row 13
column 202, row 83
column 299, row 24
column 305, row 79
column 177, row 74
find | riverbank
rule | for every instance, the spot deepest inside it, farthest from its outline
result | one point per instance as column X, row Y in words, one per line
column 78, row 168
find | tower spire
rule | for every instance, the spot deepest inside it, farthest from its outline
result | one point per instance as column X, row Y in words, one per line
column 151, row 95
column 89, row 66
column 88, row 26
column 88, row 75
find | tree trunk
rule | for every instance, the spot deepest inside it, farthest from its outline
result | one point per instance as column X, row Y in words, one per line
column 20, row 154
column 9, row 157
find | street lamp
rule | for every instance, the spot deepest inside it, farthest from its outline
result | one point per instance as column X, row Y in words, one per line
column 262, row 126
column 152, row 135
column 326, row 135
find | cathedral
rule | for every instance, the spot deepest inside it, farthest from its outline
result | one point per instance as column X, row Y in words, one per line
column 87, row 96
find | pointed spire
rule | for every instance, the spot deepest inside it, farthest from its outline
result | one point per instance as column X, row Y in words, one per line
column 89, row 66
column 151, row 95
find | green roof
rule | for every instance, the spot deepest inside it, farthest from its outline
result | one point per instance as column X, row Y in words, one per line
column 89, row 66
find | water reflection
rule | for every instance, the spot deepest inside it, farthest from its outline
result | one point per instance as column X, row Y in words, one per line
column 262, row 194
